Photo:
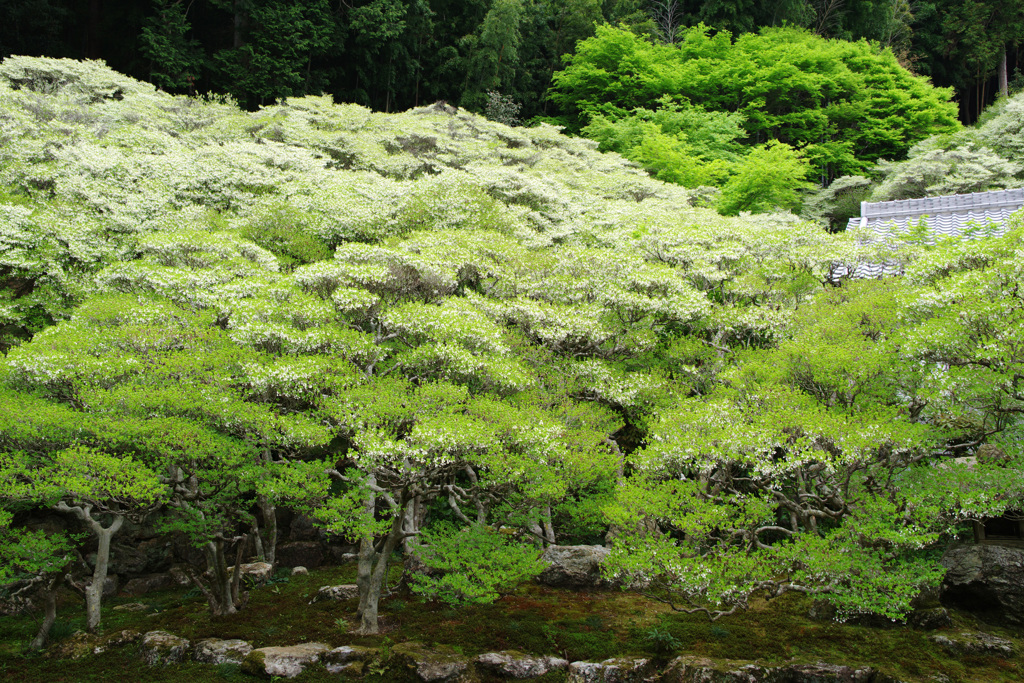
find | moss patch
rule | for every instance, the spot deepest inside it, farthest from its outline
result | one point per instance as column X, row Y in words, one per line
column 592, row 625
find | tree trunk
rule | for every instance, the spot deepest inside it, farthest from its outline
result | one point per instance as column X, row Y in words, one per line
column 549, row 529
column 269, row 512
column 373, row 570
column 94, row 589
column 49, row 593
column 222, row 592
column 1004, row 82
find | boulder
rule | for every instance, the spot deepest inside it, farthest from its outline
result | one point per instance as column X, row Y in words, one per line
column 340, row 554
column 130, row 607
column 300, row 553
column 302, row 528
column 134, row 557
column 217, row 651
column 442, row 664
column 574, row 566
column 518, row 665
column 299, row 571
column 287, row 662
column 161, row 647
column 81, row 643
column 689, row 669
column 929, row 619
column 348, row 658
column 987, row 580
column 141, row 585
column 974, row 643
column 619, row 670
column 260, row 571
column 111, row 585
column 345, row 591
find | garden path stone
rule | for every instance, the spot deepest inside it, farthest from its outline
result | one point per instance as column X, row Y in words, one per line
column 617, row 670
column 974, row 643
column 439, row 664
column 161, row 647
column 689, row 669
column 349, row 658
column 345, row 591
column 518, row 665
column 288, row 661
column 217, row 651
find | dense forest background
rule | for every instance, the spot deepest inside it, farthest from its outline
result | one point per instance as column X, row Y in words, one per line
column 391, row 55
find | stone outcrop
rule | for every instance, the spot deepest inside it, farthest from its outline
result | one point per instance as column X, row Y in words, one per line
column 987, row 580
column 574, row 566
column 351, row 659
column 439, row 664
column 309, row 554
column 141, row 585
column 287, row 662
column 700, row 670
column 929, row 619
column 974, row 643
column 518, row 665
column 259, row 571
column 217, row 651
column 81, row 643
column 161, row 647
column 345, row 591
column 611, row 671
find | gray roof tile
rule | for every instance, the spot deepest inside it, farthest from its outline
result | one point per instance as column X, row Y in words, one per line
column 976, row 215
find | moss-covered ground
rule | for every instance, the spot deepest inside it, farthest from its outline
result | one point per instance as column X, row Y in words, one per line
column 574, row 625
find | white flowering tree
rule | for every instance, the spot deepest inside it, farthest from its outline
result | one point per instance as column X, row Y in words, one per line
column 387, row 321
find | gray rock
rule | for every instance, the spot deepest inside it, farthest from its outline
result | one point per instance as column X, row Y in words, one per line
column 299, row 571
column 974, row 643
column 574, row 566
column 300, row 553
column 161, row 647
column 110, row 585
column 81, row 643
column 518, row 665
column 350, row 658
column 929, row 619
column 302, row 528
column 141, row 585
column 288, row 661
column 346, row 591
column 611, row 671
column 688, row 669
column 260, row 571
column 217, row 651
column 137, row 556
column 130, row 607
column 440, row 664
column 987, row 580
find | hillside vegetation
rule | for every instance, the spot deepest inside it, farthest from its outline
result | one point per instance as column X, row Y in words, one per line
column 424, row 327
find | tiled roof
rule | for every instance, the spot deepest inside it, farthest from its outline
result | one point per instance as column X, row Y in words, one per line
column 980, row 214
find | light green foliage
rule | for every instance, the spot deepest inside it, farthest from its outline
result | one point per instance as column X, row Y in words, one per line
column 677, row 143
column 843, row 104
column 768, row 178
column 472, row 565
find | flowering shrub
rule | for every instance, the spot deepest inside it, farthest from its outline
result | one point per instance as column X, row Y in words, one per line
column 432, row 307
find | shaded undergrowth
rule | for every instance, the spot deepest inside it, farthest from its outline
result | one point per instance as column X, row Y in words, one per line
column 576, row 625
